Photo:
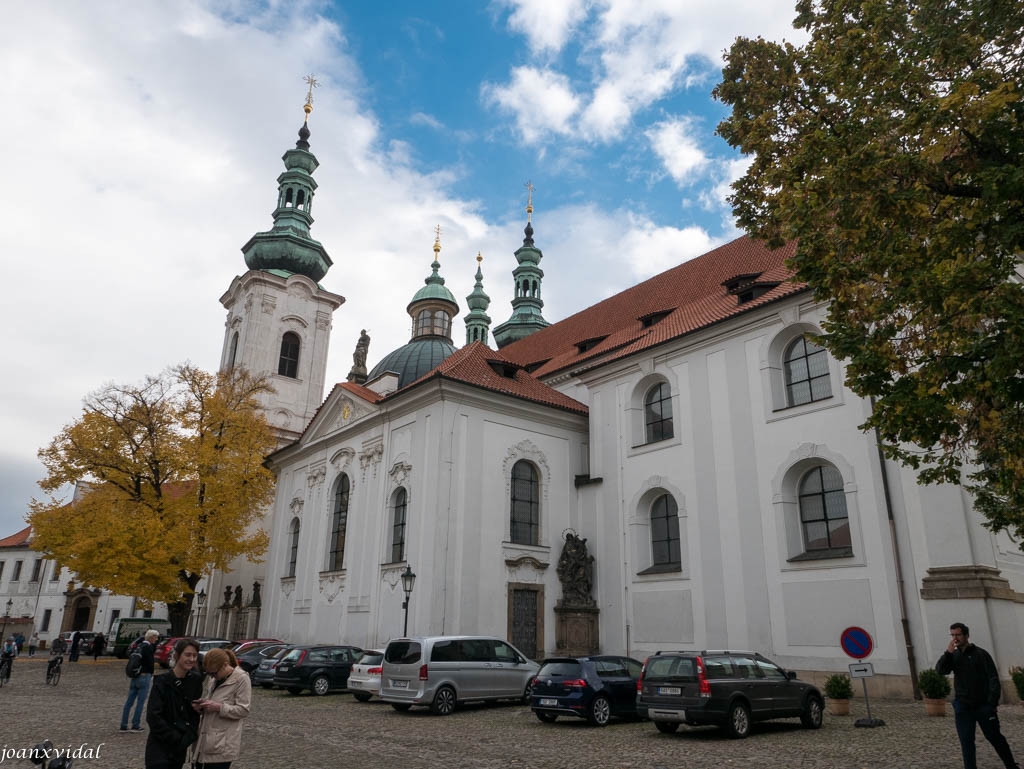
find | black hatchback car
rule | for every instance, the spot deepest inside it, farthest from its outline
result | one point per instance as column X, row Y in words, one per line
column 729, row 689
column 594, row 688
column 318, row 668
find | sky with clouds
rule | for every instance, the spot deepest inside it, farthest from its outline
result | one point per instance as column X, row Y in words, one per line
column 144, row 143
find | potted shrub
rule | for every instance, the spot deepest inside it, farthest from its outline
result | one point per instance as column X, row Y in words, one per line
column 838, row 689
column 935, row 688
column 1017, row 674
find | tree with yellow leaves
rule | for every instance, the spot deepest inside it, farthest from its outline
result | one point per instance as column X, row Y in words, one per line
column 176, row 484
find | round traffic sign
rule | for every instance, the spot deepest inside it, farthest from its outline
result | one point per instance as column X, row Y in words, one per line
column 856, row 642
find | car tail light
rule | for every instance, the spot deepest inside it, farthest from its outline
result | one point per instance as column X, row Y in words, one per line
column 423, row 672
column 703, row 685
column 374, row 671
column 575, row 683
column 534, row 681
column 302, row 656
column 640, row 680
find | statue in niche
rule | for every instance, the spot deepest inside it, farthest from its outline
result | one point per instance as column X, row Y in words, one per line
column 576, row 571
column 227, row 595
column 238, row 597
column 358, row 372
column 256, row 600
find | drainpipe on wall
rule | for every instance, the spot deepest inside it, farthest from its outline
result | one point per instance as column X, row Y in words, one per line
column 900, row 586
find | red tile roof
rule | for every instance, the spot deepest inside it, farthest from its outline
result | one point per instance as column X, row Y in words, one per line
column 480, row 366
column 692, row 294
column 363, row 392
column 17, row 540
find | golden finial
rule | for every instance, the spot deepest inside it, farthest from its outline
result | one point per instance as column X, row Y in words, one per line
column 529, row 200
column 312, row 83
column 437, row 241
column 479, row 258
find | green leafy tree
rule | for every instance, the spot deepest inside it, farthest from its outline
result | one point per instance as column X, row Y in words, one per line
column 890, row 145
column 175, row 484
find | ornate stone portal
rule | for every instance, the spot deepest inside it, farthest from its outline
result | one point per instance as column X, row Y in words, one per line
column 576, row 614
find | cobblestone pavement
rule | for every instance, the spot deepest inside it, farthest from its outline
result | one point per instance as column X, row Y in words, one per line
column 320, row 732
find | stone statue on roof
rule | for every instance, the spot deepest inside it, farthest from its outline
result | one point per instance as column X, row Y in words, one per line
column 358, row 372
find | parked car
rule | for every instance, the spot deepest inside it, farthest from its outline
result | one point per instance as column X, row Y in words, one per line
column 244, row 645
column 254, row 654
column 724, row 688
column 85, row 638
column 165, row 650
column 442, row 671
column 318, row 668
column 364, row 680
column 263, row 674
column 205, row 644
column 594, row 688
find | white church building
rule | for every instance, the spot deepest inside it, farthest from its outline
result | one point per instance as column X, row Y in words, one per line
column 686, row 427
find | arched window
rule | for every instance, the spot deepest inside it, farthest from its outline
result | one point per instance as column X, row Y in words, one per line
column 658, row 413
column 441, row 323
column 823, row 516
column 339, row 523
column 525, row 504
column 288, row 365
column 423, row 322
column 665, row 532
column 233, row 350
column 288, row 198
column 398, row 526
column 293, row 553
column 300, row 201
column 807, row 375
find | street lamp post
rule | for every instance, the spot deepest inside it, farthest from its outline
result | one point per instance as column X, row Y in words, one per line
column 200, row 602
column 408, row 580
column 10, row 603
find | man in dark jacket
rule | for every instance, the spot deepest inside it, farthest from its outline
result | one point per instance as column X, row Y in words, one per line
column 977, row 691
column 173, row 722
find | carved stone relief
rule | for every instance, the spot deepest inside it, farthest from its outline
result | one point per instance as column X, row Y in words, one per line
column 331, row 584
column 316, row 475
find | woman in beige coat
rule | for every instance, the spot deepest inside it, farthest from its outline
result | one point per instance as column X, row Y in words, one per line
column 226, row 699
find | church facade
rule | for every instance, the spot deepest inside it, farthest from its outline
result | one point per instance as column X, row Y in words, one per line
column 687, row 429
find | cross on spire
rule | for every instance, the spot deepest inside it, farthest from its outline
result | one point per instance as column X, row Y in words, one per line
column 311, row 81
column 529, row 199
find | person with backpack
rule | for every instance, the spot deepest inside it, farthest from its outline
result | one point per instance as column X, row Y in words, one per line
column 172, row 716
column 140, row 674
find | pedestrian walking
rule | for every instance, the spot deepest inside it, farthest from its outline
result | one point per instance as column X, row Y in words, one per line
column 97, row 646
column 33, row 644
column 141, row 676
column 172, row 719
column 227, row 695
column 76, row 640
column 976, row 692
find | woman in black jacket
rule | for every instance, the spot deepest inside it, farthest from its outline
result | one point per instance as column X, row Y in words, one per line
column 173, row 722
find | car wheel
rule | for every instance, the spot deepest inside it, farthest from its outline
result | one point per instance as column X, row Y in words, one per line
column 295, row 690
column 548, row 718
column 444, row 701
column 666, row 727
column 738, row 722
column 361, row 696
column 267, row 686
column 527, row 692
column 600, row 711
column 401, row 707
column 321, row 686
column 811, row 715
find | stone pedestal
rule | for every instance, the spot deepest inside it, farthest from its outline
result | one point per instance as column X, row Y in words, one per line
column 576, row 630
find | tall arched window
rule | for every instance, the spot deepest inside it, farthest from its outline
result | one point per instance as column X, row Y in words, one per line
column 658, row 413
column 807, row 376
column 665, row 532
column 339, row 523
column 293, row 553
column 288, row 365
column 525, row 504
column 823, row 516
column 233, row 350
column 398, row 526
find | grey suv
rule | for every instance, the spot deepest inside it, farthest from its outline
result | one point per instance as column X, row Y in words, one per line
column 730, row 689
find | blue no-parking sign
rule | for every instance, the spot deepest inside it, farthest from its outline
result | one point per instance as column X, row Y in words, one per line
column 856, row 642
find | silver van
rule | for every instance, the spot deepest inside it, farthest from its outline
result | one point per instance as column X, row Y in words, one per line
column 441, row 671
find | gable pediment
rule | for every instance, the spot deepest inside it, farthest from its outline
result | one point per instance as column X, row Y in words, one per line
column 341, row 411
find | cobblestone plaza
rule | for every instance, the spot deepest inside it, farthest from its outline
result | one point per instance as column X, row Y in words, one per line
column 286, row 732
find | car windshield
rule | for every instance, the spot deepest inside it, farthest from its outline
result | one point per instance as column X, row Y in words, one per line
column 292, row 655
column 560, row 669
column 403, row 652
column 672, row 667
column 371, row 658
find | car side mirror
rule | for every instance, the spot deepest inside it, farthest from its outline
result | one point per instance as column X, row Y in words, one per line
column 790, row 675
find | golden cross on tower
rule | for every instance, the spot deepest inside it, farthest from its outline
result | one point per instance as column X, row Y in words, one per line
column 529, row 199
column 437, row 241
column 311, row 81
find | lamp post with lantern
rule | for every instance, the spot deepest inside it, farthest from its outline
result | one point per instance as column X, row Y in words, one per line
column 408, row 580
column 7, row 617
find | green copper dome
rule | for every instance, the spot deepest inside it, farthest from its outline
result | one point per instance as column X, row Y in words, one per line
column 434, row 290
column 413, row 360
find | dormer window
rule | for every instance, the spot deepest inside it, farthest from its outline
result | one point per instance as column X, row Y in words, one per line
column 652, row 318
column 590, row 344
column 747, row 287
column 503, row 368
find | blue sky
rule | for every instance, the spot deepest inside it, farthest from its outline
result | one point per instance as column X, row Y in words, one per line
column 145, row 141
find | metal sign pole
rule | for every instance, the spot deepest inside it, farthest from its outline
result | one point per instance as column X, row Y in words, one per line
column 864, row 671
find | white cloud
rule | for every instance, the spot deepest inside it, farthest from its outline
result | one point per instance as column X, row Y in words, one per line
column 541, row 100
column 422, row 118
column 674, row 142
column 546, row 24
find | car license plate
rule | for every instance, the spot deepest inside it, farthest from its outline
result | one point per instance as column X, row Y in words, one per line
column 548, row 703
column 399, row 684
column 283, row 668
column 669, row 690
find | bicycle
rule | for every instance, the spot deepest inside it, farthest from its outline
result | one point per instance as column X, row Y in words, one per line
column 53, row 669
column 5, row 670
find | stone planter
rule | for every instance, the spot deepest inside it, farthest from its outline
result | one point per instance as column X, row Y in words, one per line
column 934, row 707
column 839, row 707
